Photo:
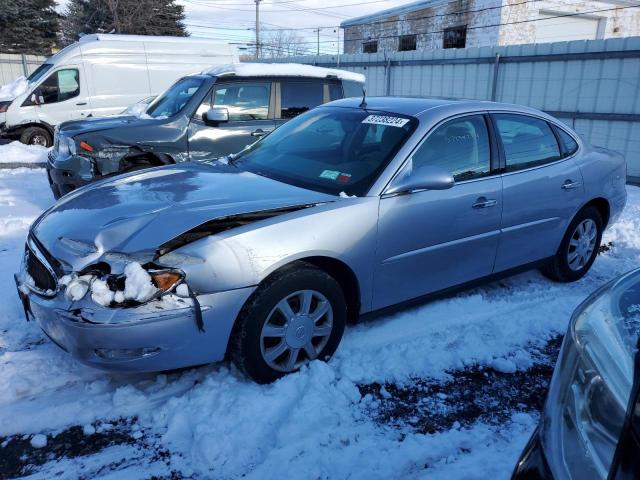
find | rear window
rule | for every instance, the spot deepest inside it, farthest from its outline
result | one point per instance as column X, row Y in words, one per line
column 352, row 89
column 298, row 97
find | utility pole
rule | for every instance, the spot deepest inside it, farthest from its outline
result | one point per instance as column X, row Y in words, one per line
column 318, row 31
column 257, row 2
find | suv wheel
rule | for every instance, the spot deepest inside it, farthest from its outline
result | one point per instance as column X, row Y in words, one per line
column 36, row 136
column 297, row 315
column 579, row 247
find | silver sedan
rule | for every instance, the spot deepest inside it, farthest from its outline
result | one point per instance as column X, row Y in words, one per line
column 352, row 207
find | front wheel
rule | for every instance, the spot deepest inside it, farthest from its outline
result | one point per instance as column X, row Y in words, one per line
column 36, row 136
column 579, row 247
column 297, row 315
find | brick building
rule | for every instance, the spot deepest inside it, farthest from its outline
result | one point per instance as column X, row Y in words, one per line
column 433, row 24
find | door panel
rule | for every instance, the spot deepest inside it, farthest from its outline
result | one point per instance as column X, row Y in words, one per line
column 64, row 93
column 433, row 240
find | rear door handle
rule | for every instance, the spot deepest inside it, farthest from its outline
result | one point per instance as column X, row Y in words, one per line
column 81, row 103
column 258, row 133
column 570, row 185
column 484, row 202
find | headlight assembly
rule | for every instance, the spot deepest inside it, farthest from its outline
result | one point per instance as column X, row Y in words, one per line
column 4, row 106
column 591, row 385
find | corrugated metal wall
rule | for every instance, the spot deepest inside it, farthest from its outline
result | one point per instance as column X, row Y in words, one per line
column 12, row 66
column 593, row 86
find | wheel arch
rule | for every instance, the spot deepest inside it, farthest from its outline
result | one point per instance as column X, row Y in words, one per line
column 602, row 205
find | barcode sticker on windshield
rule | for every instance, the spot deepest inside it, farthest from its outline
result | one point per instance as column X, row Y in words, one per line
column 385, row 120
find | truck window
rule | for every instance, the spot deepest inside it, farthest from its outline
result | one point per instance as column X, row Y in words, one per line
column 245, row 101
column 298, row 97
column 60, row 86
column 352, row 89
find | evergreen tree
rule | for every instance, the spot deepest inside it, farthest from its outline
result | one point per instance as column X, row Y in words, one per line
column 135, row 17
column 28, row 26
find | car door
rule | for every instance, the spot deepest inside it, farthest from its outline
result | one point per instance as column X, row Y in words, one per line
column 61, row 96
column 250, row 106
column 431, row 240
column 542, row 191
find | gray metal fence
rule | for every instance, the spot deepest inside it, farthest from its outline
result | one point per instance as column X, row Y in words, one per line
column 12, row 66
column 593, row 86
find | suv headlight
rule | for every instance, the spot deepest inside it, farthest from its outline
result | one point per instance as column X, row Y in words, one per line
column 591, row 384
column 66, row 145
column 4, row 106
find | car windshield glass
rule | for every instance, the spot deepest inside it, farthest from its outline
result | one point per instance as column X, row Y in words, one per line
column 39, row 72
column 175, row 98
column 330, row 149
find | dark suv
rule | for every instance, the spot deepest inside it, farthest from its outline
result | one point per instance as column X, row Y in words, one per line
column 200, row 117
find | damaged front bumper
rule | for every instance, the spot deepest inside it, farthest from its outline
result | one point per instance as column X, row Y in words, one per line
column 162, row 334
column 68, row 172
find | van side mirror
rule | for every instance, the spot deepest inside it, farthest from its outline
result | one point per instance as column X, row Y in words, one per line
column 215, row 115
column 423, row 178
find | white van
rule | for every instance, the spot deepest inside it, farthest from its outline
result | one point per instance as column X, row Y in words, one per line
column 101, row 75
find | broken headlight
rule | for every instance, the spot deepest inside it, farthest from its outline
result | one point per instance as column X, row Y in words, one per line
column 135, row 286
column 591, row 384
column 66, row 146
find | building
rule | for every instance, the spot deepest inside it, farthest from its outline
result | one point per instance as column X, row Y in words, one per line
column 434, row 24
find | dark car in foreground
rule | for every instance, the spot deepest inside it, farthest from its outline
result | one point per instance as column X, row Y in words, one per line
column 200, row 117
column 590, row 426
column 348, row 208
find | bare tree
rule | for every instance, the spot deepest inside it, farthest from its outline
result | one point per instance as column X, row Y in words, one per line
column 282, row 43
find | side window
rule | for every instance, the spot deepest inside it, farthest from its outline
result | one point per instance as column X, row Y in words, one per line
column 527, row 141
column 245, row 101
column 335, row 92
column 570, row 145
column 61, row 85
column 298, row 97
column 352, row 89
column 203, row 107
column 460, row 146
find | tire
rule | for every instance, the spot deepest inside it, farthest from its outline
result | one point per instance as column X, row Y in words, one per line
column 264, row 340
column 573, row 258
column 36, row 136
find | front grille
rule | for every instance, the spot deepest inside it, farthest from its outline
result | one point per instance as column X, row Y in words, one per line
column 41, row 275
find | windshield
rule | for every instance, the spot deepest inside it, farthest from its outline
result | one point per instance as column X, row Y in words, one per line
column 174, row 98
column 39, row 72
column 330, row 149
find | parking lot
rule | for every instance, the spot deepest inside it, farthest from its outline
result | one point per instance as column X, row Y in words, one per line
column 448, row 389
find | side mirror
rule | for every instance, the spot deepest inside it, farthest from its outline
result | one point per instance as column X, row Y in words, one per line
column 424, row 178
column 215, row 115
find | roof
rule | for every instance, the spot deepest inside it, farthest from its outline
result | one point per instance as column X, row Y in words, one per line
column 116, row 37
column 391, row 12
column 414, row 107
column 281, row 70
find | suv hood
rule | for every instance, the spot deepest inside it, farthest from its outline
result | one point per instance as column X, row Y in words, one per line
column 137, row 212
column 89, row 125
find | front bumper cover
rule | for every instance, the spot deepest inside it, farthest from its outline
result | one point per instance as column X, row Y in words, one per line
column 532, row 464
column 166, row 338
column 66, row 173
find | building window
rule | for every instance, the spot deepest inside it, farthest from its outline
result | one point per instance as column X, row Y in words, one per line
column 455, row 37
column 370, row 47
column 406, row 43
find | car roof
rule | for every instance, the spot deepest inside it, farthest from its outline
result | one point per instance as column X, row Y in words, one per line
column 282, row 70
column 417, row 107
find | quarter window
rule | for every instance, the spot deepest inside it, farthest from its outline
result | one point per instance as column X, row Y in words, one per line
column 570, row 145
column 460, row 146
column 298, row 97
column 527, row 141
column 245, row 101
column 60, row 86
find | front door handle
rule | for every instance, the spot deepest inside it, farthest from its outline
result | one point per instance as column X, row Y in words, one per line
column 81, row 103
column 570, row 185
column 484, row 202
column 258, row 133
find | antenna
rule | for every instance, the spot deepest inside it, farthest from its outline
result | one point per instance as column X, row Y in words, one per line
column 363, row 104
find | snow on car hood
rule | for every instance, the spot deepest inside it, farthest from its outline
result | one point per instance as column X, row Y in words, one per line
column 14, row 89
column 138, row 212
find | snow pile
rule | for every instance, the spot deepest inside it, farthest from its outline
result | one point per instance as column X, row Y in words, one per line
column 138, row 285
column 282, row 70
column 19, row 153
column 14, row 89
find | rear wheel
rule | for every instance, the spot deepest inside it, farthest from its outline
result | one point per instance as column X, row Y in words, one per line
column 36, row 136
column 296, row 316
column 579, row 247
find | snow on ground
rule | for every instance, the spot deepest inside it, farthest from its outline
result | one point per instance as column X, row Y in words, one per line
column 210, row 422
column 16, row 153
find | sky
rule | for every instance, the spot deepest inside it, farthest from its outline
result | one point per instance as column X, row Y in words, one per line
column 234, row 20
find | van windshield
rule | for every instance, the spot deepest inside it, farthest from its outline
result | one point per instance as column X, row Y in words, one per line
column 174, row 98
column 39, row 72
column 330, row 149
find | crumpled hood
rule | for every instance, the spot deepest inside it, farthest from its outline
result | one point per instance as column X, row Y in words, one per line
column 89, row 125
column 138, row 212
